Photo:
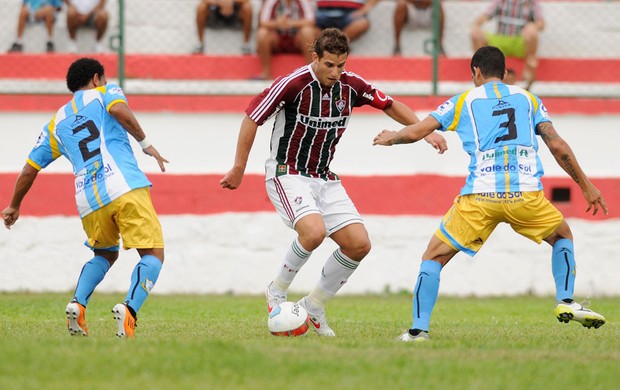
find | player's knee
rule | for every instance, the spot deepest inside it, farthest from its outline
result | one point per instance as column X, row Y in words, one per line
column 358, row 250
column 311, row 238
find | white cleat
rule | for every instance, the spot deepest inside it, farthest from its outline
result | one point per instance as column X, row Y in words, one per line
column 317, row 321
column 273, row 299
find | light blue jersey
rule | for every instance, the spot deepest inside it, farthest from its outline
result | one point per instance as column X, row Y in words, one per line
column 96, row 144
column 37, row 4
column 497, row 125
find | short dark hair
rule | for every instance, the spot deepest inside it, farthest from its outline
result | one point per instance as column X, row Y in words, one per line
column 81, row 72
column 331, row 40
column 490, row 60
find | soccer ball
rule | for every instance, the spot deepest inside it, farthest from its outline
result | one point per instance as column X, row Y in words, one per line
column 288, row 319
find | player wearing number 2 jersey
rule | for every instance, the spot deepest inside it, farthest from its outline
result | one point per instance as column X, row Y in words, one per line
column 312, row 106
column 111, row 192
column 498, row 125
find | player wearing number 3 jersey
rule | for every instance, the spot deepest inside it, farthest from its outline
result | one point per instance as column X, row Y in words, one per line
column 498, row 125
column 111, row 192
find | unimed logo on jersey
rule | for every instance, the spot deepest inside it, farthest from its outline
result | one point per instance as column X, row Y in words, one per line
column 323, row 123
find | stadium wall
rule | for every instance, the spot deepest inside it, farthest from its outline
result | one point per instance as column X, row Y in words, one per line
column 221, row 241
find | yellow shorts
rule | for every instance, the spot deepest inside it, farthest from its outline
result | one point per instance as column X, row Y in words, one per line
column 472, row 218
column 511, row 46
column 131, row 216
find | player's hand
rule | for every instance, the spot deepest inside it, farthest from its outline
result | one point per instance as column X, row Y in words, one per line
column 151, row 151
column 10, row 216
column 232, row 179
column 595, row 200
column 385, row 137
column 437, row 141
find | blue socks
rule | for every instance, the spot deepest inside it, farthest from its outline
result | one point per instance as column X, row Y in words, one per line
column 143, row 280
column 425, row 294
column 564, row 269
column 92, row 274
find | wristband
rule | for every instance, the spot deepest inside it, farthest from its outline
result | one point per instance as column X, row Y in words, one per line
column 144, row 143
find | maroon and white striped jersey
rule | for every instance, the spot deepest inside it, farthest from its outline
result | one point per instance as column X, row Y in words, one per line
column 310, row 119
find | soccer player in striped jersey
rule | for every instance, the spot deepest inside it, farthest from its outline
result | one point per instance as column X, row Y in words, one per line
column 312, row 106
column 111, row 192
column 498, row 125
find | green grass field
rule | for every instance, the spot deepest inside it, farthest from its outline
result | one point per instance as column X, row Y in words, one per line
column 222, row 342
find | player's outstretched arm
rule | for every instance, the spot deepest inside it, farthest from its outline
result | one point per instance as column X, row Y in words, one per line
column 565, row 157
column 26, row 177
column 123, row 114
column 402, row 114
column 408, row 134
column 232, row 179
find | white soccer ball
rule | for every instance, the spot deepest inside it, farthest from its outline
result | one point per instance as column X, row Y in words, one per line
column 288, row 319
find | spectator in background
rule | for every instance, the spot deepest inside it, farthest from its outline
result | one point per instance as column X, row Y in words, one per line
column 227, row 14
column 285, row 26
column 34, row 11
column 349, row 16
column 420, row 13
column 90, row 13
column 510, row 77
column 518, row 24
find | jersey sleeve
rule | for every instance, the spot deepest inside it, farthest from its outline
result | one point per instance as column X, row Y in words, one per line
column 445, row 114
column 271, row 100
column 540, row 113
column 112, row 94
column 46, row 150
column 368, row 94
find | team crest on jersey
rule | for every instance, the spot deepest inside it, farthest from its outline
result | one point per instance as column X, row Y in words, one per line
column 299, row 199
column 341, row 104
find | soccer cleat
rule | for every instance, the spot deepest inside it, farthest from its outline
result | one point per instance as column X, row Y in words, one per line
column 415, row 336
column 125, row 320
column 49, row 47
column 76, row 321
column 273, row 299
column 567, row 311
column 317, row 321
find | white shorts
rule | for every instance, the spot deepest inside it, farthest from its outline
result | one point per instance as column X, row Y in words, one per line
column 296, row 196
